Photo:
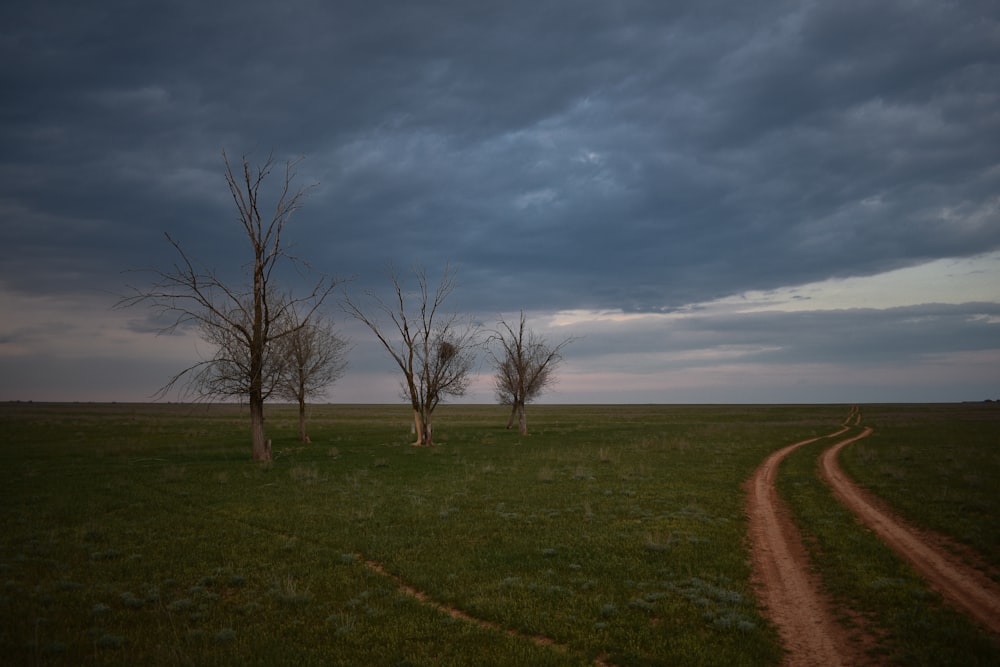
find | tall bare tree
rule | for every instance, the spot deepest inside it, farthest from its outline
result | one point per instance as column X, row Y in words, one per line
column 435, row 352
column 313, row 357
column 525, row 365
column 227, row 373
column 244, row 320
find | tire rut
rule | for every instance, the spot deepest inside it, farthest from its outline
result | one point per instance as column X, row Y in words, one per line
column 454, row 612
column 792, row 597
column 963, row 585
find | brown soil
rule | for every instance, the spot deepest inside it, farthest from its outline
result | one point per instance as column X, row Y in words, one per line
column 793, row 598
column 932, row 555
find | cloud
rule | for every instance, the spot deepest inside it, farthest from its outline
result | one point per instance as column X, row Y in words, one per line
column 635, row 157
column 852, row 337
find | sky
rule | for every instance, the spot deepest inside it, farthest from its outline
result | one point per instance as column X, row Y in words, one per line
column 722, row 202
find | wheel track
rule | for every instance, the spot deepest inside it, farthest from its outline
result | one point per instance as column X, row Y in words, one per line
column 963, row 585
column 787, row 590
column 454, row 612
column 792, row 597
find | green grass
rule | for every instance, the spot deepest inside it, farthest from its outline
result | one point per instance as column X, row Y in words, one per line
column 938, row 466
column 143, row 534
column 863, row 575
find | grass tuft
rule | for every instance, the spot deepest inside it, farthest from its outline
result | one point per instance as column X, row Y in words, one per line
column 130, row 601
column 109, row 641
column 305, row 474
column 289, row 592
column 546, row 474
column 224, row 636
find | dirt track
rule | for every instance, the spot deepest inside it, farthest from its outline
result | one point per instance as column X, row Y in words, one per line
column 793, row 598
column 963, row 585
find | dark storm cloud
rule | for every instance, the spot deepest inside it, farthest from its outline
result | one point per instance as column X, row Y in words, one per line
column 630, row 155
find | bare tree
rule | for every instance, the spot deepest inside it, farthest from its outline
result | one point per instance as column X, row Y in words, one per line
column 435, row 352
column 313, row 357
column 227, row 373
column 243, row 320
column 525, row 366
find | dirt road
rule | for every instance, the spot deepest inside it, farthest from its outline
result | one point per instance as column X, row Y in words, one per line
column 963, row 585
column 792, row 599
column 791, row 595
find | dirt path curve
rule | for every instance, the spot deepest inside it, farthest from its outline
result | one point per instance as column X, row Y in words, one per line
column 791, row 598
column 423, row 598
column 962, row 584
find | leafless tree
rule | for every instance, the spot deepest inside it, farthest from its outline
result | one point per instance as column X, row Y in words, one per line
column 435, row 352
column 227, row 373
column 313, row 357
column 244, row 320
column 525, row 365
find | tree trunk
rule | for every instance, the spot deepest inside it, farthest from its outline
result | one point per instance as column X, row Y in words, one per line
column 261, row 447
column 418, row 427
column 303, row 437
column 522, row 420
column 257, row 348
column 513, row 413
column 422, row 427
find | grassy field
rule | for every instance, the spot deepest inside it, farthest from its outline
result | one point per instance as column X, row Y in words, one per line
column 903, row 463
column 140, row 534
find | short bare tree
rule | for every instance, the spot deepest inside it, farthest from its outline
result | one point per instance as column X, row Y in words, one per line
column 435, row 352
column 313, row 357
column 244, row 320
column 525, row 365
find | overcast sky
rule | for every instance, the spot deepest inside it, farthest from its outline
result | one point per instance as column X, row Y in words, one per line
column 725, row 201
